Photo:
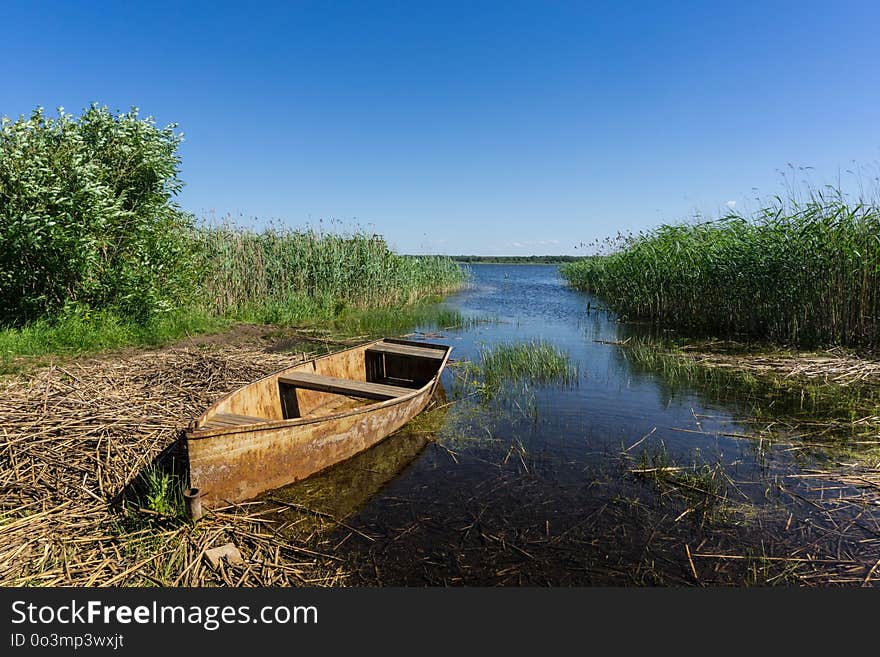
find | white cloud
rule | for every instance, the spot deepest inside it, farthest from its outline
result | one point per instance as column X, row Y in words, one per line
column 731, row 204
column 530, row 244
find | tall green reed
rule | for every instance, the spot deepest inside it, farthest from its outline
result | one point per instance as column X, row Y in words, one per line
column 800, row 271
column 282, row 274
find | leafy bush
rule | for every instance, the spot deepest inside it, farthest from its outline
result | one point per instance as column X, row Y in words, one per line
column 87, row 219
column 91, row 242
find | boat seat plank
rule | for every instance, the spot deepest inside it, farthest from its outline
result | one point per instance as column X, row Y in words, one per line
column 343, row 386
column 222, row 420
column 407, row 350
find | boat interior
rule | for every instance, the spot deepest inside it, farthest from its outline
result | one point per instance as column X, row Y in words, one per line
column 335, row 383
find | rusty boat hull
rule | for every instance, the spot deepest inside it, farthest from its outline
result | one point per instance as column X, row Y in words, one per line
column 300, row 420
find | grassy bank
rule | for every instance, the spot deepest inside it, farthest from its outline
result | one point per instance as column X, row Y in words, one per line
column 352, row 284
column 74, row 334
column 95, row 253
column 803, row 273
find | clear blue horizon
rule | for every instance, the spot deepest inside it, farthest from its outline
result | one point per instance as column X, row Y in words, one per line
column 471, row 128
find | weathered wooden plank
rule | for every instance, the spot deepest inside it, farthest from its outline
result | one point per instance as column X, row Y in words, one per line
column 220, row 422
column 236, row 417
column 407, row 350
column 231, row 420
column 343, row 386
column 250, row 419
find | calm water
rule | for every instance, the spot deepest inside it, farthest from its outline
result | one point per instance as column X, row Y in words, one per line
column 536, row 486
column 612, row 405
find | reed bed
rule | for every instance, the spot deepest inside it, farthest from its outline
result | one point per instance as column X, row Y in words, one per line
column 533, row 361
column 77, row 438
column 283, row 275
column 803, row 272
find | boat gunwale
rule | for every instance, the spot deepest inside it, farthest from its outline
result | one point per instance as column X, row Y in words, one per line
column 193, row 433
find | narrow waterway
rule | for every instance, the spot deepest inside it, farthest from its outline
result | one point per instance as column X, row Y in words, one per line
column 625, row 476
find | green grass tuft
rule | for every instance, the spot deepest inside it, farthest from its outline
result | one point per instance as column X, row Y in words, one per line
column 534, row 361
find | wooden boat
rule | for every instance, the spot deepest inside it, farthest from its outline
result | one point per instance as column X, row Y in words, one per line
column 296, row 422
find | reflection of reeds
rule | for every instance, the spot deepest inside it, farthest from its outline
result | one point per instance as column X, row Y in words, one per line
column 783, row 388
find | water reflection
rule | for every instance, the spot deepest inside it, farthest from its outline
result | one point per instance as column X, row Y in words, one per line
column 340, row 490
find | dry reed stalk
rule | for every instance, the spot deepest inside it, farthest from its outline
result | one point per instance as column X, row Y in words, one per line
column 74, row 437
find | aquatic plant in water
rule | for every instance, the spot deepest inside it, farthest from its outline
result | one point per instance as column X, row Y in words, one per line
column 533, row 361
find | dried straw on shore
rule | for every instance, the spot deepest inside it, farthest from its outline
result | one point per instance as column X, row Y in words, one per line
column 74, row 436
column 833, row 366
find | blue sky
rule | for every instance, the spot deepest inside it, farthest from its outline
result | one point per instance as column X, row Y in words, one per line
column 491, row 128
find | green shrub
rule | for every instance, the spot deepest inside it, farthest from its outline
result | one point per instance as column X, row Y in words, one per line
column 95, row 253
column 87, row 219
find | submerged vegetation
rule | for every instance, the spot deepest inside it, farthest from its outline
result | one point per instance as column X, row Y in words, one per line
column 95, row 253
column 799, row 272
column 701, row 486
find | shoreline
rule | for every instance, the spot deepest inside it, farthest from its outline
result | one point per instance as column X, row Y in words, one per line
column 71, row 515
